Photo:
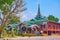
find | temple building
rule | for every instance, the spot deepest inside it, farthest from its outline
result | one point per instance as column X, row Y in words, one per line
column 37, row 20
column 45, row 25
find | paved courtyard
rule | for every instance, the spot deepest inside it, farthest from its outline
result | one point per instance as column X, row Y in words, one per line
column 34, row 38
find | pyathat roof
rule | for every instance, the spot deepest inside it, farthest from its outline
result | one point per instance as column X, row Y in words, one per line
column 35, row 21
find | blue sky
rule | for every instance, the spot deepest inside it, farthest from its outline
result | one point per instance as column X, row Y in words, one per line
column 47, row 7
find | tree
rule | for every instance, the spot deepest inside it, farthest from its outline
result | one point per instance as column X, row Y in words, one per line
column 56, row 19
column 9, row 7
column 13, row 19
column 52, row 18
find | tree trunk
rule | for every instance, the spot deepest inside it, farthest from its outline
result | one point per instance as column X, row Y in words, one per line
column 1, row 29
column 0, row 34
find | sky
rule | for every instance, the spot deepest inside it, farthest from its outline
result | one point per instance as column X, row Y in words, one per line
column 47, row 7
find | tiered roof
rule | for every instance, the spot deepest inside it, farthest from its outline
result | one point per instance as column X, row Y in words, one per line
column 37, row 19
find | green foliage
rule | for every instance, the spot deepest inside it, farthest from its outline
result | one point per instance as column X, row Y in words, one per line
column 6, row 35
column 9, row 2
column 5, row 5
column 13, row 19
column 56, row 19
column 3, row 2
column 14, row 33
column 52, row 18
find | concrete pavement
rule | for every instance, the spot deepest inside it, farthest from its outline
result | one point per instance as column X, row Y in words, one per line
column 34, row 38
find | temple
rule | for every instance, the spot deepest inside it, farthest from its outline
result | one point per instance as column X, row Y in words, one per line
column 39, row 25
column 38, row 19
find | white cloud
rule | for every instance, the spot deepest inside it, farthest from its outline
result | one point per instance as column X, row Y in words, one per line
column 26, row 17
column 23, row 17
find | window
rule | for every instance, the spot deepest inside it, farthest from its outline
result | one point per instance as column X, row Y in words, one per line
column 44, row 25
column 53, row 31
column 59, row 26
column 54, row 26
column 49, row 25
